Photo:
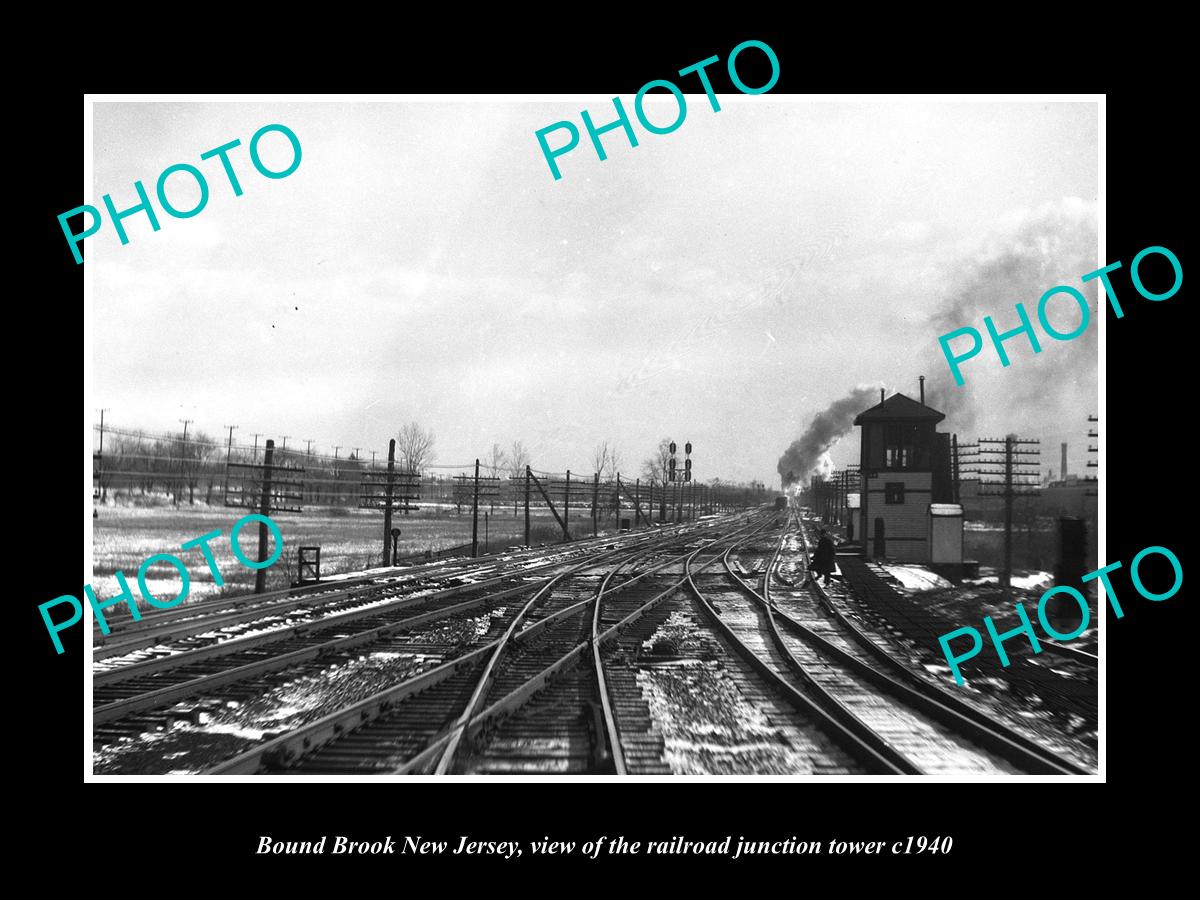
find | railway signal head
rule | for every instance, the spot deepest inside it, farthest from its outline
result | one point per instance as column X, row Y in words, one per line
column 671, row 467
column 687, row 448
column 672, row 448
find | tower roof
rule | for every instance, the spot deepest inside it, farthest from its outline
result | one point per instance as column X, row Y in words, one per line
column 899, row 407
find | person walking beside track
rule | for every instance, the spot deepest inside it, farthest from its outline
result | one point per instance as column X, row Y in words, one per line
column 822, row 562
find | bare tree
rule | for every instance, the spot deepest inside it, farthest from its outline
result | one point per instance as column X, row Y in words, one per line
column 518, row 459
column 600, row 460
column 202, row 463
column 415, row 446
column 495, row 463
column 654, row 469
column 600, row 457
column 614, row 461
column 606, row 460
column 191, row 454
column 654, row 466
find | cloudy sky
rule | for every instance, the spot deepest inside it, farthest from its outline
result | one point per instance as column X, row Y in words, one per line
column 720, row 284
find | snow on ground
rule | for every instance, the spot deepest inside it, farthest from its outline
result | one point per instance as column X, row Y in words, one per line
column 981, row 526
column 1031, row 582
column 917, row 578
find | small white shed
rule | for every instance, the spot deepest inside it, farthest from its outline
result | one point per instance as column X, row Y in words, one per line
column 946, row 532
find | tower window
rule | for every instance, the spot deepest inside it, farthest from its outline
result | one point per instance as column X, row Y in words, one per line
column 904, row 446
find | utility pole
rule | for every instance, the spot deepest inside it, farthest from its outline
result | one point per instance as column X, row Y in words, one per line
column 100, row 460
column 687, row 477
column 337, row 474
column 257, row 435
column 567, row 504
column 595, row 505
column 475, row 514
column 308, row 458
column 1006, row 579
column 228, row 458
column 954, row 473
column 1005, row 458
column 284, row 437
column 527, row 485
column 1091, row 463
column 387, row 503
column 183, row 463
column 260, row 576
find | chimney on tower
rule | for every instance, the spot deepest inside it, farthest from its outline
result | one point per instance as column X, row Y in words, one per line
column 1064, row 462
column 881, row 395
column 922, row 390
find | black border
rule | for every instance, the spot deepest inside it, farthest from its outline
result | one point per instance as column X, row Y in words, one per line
column 1147, row 485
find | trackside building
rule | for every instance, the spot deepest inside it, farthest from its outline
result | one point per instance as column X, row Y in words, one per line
column 907, row 510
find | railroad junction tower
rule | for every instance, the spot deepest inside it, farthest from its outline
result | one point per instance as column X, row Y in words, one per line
column 907, row 510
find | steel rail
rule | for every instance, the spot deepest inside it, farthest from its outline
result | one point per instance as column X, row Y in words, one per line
column 237, row 644
column 846, row 729
column 598, row 639
column 384, row 577
column 370, row 608
column 166, row 626
column 203, row 607
column 519, row 695
column 201, row 684
column 835, row 706
column 165, row 632
column 1080, row 656
column 285, row 749
column 984, row 737
column 491, row 669
column 937, row 702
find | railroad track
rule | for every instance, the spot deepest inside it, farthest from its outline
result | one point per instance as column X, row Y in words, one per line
column 163, row 632
column 124, row 628
column 357, row 611
column 1036, row 710
column 560, row 727
column 919, row 729
column 713, row 710
column 486, row 711
column 687, row 651
column 1091, row 660
column 334, row 661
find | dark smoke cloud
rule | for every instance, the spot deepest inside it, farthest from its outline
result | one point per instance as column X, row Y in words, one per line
column 803, row 457
column 1047, row 395
column 1053, row 245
